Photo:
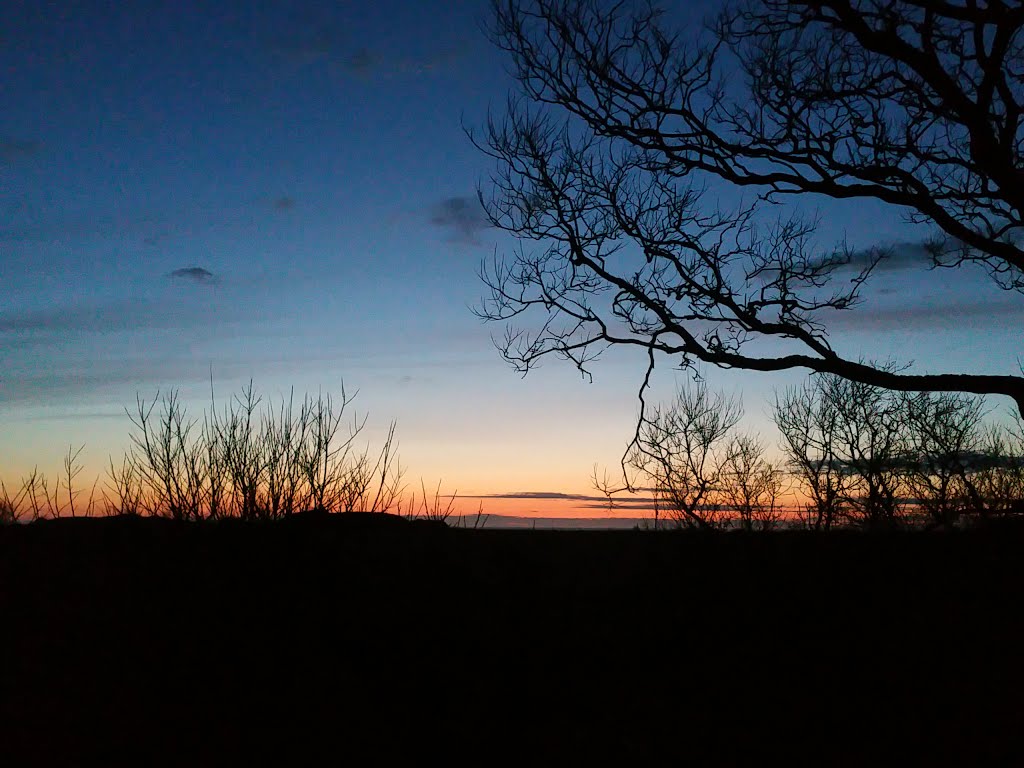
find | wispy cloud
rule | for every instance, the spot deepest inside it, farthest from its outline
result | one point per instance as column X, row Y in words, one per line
column 12, row 149
column 312, row 42
column 65, row 414
column 148, row 227
column 961, row 313
column 94, row 227
column 92, row 382
column 26, row 327
column 112, row 317
column 321, row 42
column 463, row 217
column 368, row 64
column 58, row 355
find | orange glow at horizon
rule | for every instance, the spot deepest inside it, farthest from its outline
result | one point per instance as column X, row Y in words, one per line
column 580, row 505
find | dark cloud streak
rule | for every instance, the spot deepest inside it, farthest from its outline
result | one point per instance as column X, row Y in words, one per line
column 897, row 256
column 925, row 316
column 557, row 496
column 193, row 274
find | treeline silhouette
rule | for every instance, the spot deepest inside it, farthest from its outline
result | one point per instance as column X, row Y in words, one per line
column 877, row 457
column 858, row 456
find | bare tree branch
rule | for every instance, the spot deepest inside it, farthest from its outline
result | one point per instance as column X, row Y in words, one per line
column 601, row 166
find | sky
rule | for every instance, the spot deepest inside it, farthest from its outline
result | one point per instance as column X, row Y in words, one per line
column 283, row 192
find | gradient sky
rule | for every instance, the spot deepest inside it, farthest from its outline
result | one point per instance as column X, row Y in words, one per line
column 283, row 191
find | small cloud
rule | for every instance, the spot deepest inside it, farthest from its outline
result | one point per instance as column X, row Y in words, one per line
column 438, row 59
column 193, row 274
column 284, row 203
column 365, row 63
column 311, row 39
column 68, row 415
column 404, row 381
column 362, row 62
column 464, row 217
column 15, row 149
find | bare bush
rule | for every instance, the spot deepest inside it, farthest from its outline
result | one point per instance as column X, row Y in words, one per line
column 124, row 492
column 679, row 453
column 243, row 462
column 36, row 498
column 438, row 509
column 169, row 456
column 284, row 438
column 254, row 465
column 11, row 504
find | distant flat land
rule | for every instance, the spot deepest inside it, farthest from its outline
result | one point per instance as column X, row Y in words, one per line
column 142, row 641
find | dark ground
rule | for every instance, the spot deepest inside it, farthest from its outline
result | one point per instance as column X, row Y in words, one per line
column 145, row 641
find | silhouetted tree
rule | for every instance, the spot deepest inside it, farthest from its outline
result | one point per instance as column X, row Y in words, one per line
column 999, row 472
column 846, row 442
column 621, row 123
column 945, row 452
column 874, row 456
column 750, row 485
column 872, row 447
column 809, row 426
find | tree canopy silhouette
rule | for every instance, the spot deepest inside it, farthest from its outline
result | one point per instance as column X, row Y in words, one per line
column 605, row 156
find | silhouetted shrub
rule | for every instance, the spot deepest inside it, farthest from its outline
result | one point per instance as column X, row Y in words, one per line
column 243, row 462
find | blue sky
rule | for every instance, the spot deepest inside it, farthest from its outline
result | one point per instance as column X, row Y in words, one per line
column 283, row 192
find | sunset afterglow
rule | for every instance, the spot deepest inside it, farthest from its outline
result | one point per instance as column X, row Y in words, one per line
column 289, row 197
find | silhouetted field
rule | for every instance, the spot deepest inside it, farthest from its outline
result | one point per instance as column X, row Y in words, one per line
column 148, row 640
